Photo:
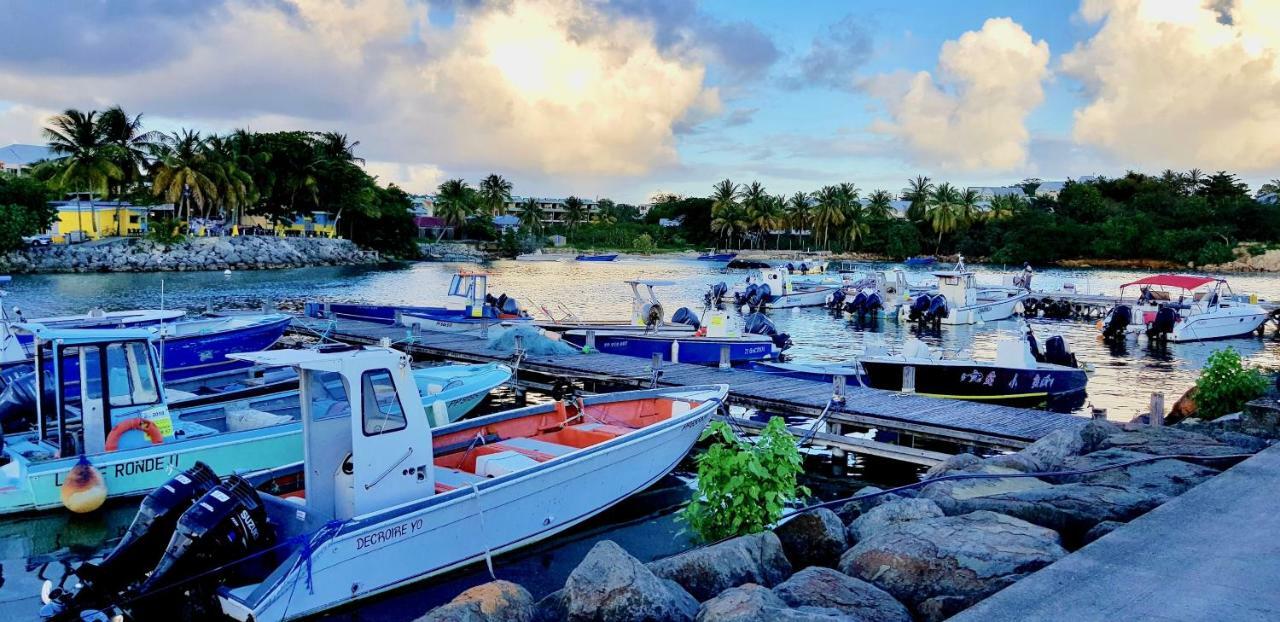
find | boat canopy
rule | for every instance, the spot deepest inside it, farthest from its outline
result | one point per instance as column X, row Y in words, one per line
column 71, row 336
column 650, row 282
column 1183, row 281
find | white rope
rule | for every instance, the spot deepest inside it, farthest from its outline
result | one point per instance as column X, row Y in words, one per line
column 484, row 540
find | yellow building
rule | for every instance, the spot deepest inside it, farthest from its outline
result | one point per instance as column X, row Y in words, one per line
column 96, row 219
column 313, row 225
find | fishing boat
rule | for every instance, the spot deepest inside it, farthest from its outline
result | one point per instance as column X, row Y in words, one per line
column 387, row 499
column 773, row 288
column 1020, row 374
column 722, row 341
column 646, row 313
column 713, row 256
column 959, row 300
column 538, row 255
column 104, row 403
column 481, row 312
column 1205, row 309
column 584, row 257
column 816, row 372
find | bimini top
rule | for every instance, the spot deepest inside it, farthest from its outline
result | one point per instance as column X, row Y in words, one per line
column 1183, row 281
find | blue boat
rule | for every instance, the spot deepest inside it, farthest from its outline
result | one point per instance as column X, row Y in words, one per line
column 817, row 372
column 377, row 314
column 596, row 257
column 717, row 257
column 481, row 312
column 919, row 262
column 758, row 340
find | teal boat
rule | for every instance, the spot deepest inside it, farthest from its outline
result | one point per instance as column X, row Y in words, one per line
column 116, row 417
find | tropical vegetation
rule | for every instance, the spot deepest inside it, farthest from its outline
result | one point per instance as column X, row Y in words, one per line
column 1226, row 384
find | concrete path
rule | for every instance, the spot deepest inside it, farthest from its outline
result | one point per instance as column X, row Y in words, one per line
column 1212, row 553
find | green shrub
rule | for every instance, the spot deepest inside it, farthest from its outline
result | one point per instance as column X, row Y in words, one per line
column 1215, row 253
column 643, row 243
column 743, row 488
column 165, row 231
column 1225, row 385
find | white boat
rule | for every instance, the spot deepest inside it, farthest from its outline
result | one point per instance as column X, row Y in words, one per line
column 538, row 255
column 481, row 313
column 959, row 300
column 646, row 313
column 1205, row 308
column 774, row 288
column 387, row 500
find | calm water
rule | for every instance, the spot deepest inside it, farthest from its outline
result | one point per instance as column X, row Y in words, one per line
column 645, row 525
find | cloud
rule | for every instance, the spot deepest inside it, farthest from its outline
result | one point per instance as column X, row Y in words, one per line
column 547, row 87
column 410, row 177
column 740, row 48
column 21, row 124
column 833, row 58
column 1181, row 83
column 740, row 116
column 973, row 117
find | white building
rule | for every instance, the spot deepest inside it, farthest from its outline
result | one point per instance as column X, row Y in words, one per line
column 553, row 210
column 18, row 159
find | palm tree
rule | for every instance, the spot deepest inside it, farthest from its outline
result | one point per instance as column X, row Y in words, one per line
column 234, row 184
column 1004, row 206
column 970, row 208
column 944, row 211
column 799, row 211
column 829, row 213
column 756, row 202
column 531, row 216
column 335, row 147
column 84, row 160
column 1193, row 179
column 182, row 173
column 455, row 201
column 917, row 193
column 494, row 193
column 575, row 212
column 880, row 205
column 856, row 226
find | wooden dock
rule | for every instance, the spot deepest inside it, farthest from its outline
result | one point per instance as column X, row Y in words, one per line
column 951, row 421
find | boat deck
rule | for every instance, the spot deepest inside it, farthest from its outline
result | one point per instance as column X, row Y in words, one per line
column 968, row 423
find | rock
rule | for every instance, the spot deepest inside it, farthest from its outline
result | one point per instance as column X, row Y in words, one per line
column 1095, row 433
column 830, row 589
column 1166, row 478
column 497, row 601
column 855, row 508
column 815, row 538
column 1013, row 462
column 942, row 607
column 1070, row 509
column 962, row 559
column 755, row 603
column 707, row 571
column 612, row 586
column 890, row 514
column 944, row 491
column 1167, row 441
column 956, row 463
column 1184, row 408
column 552, row 608
column 1054, row 448
column 1101, row 529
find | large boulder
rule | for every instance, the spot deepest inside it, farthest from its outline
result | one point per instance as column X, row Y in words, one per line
column 612, row 586
column 863, row 501
column 1167, row 478
column 958, row 559
column 830, row 589
column 1099, row 530
column 1167, row 441
column 815, row 538
column 1051, row 450
column 755, row 603
column 941, row 491
column 497, row 601
column 958, row 463
column 1070, row 509
column 707, row 571
column 890, row 514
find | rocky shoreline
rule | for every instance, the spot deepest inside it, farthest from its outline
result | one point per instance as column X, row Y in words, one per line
column 230, row 253
column 922, row 554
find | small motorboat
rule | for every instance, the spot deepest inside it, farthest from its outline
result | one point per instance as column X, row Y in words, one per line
column 135, row 438
column 919, row 262
column 713, row 256
column 1205, row 309
column 538, row 255
column 959, row 300
column 1020, row 374
column 481, row 312
column 386, row 499
column 817, row 372
column 596, row 257
column 774, row 288
column 738, row 263
column 721, row 341
column 646, row 313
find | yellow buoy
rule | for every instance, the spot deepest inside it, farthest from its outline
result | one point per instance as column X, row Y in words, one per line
column 84, row 489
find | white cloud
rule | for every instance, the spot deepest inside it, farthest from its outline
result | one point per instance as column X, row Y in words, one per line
column 539, row 87
column 21, row 124
column 1181, row 83
column 973, row 116
column 413, row 178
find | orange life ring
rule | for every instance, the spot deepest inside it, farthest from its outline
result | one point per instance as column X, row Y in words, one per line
column 136, row 423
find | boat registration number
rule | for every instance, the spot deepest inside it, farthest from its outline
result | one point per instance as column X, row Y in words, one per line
column 383, row 536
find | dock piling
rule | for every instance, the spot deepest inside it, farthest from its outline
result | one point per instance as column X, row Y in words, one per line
column 591, row 339
column 724, row 357
column 1155, row 416
column 909, row 379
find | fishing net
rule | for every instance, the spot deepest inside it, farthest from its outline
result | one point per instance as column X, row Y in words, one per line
column 534, row 341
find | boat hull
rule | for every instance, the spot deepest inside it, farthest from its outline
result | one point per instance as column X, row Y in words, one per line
column 981, row 381
column 816, row 373
column 718, row 257
column 377, row 314
column 463, row 526
column 808, row 297
column 189, row 356
column 457, row 322
column 696, row 350
column 595, row 257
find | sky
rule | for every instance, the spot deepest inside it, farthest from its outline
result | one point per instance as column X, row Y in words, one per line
column 630, row 98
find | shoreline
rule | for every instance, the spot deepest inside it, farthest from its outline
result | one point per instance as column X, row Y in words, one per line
column 193, row 255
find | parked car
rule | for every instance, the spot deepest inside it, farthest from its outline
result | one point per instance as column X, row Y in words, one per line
column 37, row 240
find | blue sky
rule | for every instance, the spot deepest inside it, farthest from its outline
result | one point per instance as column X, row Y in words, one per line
column 627, row 98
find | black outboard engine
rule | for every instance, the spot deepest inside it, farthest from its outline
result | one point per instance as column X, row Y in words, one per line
column 1117, row 320
column 760, row 298
column 837, row 300
column 919, row 307
column 18, row 399
column 791, row 268
column 760, row 324
column 873, row 302
column 745, row 296
column 858, row 304
column 1163, row 323
column 1056, row 352
column 716, row 294
column 684, row 315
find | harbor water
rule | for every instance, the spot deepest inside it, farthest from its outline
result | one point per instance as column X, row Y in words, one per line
column 32, row 548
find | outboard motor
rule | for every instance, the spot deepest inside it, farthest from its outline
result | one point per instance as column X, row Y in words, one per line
column 760, row 324
column 1116, row 322
column 18, row 400
column 760, row 298
column 873, row 302
column 1056, row 352
column 919, row 307
column 791, row 268
column 685, row 316
column 1163, row 323
column 716, row 294
column 744, row 297
column 508, row 306
column 858, row 304
column 836, row 302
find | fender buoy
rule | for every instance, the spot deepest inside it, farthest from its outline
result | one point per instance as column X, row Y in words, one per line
column 136, row 423
column 84, row 489
column 701, row 332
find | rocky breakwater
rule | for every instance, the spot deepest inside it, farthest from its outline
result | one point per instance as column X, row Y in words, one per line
column 231, row 253
column 923, row 554
column 1247, row 261
column 453, row 252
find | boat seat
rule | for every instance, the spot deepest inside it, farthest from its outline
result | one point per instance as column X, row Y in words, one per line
column 602, row 428
column 523, row 444
column 447, row 479
column 190, row 429
column 176, row 395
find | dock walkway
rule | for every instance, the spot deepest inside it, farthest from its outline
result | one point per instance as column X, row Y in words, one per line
column 954, row 421
column 1209, row 554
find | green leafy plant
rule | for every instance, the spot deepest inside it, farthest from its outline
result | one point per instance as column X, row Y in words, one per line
column 643, row 243
column 1225, row 385
column 165, row 231
column 743, row 488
